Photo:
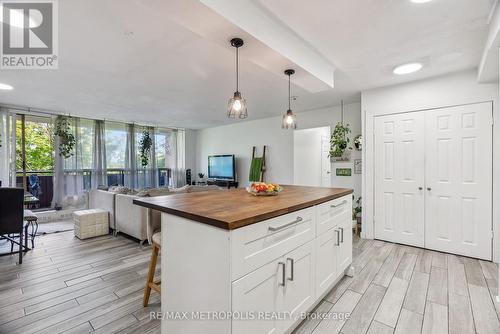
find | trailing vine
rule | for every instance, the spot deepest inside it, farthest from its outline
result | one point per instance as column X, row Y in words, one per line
column 67, row 140
column 339, row 140
column 145, row 147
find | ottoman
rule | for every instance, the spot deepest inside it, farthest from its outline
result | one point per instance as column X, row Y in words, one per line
column 91, row 223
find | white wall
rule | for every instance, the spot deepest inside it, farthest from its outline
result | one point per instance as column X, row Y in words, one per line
column 456, row 89
column 239, row 138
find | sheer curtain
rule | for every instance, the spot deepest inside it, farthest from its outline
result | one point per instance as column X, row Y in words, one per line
column 141, row 177
column 72, row 175
column 7, row 148
column 179, row 157
column 130, row 178
column 99, row 162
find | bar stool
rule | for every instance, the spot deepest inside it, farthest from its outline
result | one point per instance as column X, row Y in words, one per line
column 153, row 231
column 150, row 284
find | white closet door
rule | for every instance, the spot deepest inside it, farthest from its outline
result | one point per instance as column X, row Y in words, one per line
column 399, row 178
column 458, row 205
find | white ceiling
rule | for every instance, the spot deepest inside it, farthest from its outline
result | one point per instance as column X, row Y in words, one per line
column 169, row 62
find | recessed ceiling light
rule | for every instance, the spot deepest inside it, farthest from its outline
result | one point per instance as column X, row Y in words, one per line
column 420, row 1
column 6, row 87
column 407, row 68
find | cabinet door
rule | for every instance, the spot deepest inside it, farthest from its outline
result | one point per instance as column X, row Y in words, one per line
column 345, row 249
column 299, row 291
column 458, row 201
column 326, row 260
column 259, row 291
column 399, row 178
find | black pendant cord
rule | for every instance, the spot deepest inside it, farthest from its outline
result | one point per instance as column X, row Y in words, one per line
column 342, row 111
column 237, row 67
column 289, row 94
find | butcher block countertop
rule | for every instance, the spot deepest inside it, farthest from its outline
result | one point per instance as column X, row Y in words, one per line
column 232, row 209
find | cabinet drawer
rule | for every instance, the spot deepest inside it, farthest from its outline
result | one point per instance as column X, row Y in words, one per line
column 333, row 213
column 255, row 245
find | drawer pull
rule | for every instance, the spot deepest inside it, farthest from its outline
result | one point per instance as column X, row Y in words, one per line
column 337, row 205
column 342, row 235
column 283, row 279
column 291, row 268
column 274, row 229
column 337, row 232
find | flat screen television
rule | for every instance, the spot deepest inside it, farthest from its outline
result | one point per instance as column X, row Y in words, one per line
column 221, row 167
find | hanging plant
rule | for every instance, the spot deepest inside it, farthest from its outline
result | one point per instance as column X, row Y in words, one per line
column 145, row 147
column 339, row 140
column 67, row 140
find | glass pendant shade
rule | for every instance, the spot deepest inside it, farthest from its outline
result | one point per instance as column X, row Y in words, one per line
column 289, row 121
column 237, row 107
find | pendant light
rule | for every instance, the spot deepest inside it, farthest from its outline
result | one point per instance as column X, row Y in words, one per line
column 289, row 119
column 237, row 106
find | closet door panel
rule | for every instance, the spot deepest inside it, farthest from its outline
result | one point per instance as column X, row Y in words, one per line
column 458, row 205
column 399, row 178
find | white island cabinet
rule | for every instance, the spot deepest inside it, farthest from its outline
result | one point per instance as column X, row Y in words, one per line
column 259, row 278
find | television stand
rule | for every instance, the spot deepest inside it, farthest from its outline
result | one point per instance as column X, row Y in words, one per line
column 223, row 183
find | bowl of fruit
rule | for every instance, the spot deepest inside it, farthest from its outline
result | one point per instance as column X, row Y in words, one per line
column 264, row 189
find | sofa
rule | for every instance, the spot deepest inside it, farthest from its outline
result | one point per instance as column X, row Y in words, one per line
column 103, row 199
column 130, row 219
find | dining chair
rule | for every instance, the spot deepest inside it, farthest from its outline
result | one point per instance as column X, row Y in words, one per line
column 12, row 216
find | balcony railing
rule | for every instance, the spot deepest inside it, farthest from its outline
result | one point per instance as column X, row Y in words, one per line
column 46, row 190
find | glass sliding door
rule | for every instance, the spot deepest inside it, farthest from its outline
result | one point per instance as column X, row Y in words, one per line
column 35, row 158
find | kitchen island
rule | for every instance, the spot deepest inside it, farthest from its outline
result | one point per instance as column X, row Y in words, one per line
column 234, row 263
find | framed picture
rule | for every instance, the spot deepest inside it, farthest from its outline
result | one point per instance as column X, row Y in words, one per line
column 358, row 166
column 343, row 172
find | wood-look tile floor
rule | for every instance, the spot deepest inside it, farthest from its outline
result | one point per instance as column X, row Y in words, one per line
column 66, row 285
column 402, row 289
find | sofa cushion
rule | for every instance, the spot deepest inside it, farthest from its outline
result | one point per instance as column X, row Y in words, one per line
column 184, row 189
column 159, row 192
column 143, row 193
column 120, row 190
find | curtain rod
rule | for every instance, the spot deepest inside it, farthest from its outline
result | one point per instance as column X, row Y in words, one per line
column 35, row 111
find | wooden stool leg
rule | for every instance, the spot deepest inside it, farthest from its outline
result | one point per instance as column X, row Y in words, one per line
column 151, row 274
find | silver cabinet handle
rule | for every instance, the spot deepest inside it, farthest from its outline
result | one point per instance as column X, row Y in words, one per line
column 342, row 235
column 283, row 267
column 337, row 205
column 291, row 268
column 338, row 237
column 274, row 229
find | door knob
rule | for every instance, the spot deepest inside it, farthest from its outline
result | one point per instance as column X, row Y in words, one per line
column 429, row 188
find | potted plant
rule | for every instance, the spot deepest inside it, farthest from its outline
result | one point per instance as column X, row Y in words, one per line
column 339, row 142
column 356, row 211
column 67, row 140
column 145, row 147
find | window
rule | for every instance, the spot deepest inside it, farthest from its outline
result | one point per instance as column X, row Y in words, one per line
column 116, row 145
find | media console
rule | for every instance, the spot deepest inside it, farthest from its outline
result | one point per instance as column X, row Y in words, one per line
column 223, row 183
